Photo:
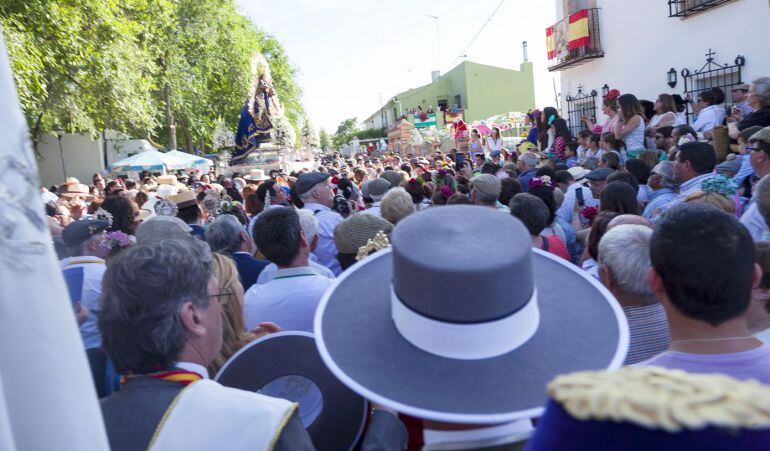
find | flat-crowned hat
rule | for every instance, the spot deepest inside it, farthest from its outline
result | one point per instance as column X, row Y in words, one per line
column 159, row 228
column 287, row 365
column 167, row 180
column 184, row 199
column 256, row 175
column 473, row 332
column 306, row 182
column 762, row 135
column 80, row 231
column 74, row 189
column 487, row 184
column 642, row 408
column 356, row 230
column 732, row 166
column 599, row 174
column 578, row 172
column 741, row 87
column 375, row 188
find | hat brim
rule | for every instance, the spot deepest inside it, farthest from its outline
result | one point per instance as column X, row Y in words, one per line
column 582, row 327
column 293, row 353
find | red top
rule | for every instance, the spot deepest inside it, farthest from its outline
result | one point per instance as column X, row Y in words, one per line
column 555, row 245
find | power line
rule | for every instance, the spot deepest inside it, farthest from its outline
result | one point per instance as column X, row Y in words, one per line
column 463, row 51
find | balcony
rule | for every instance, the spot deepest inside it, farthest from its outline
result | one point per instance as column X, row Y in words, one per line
column 574, row 40
column 686, row 8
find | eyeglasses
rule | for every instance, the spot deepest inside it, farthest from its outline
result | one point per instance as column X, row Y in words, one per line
column 752, row 148
column 223, row 297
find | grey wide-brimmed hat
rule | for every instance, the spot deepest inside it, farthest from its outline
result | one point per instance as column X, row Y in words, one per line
column 472, row 333
column 375, row 188
column 287, row 365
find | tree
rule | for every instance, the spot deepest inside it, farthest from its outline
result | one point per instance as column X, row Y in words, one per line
column 308, row 137
column 323, row 139
column 283, row 133
column 345, row 132
column 143, row 67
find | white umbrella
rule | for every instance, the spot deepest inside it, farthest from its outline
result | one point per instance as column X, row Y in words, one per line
column 149, row 160
column 47, row 396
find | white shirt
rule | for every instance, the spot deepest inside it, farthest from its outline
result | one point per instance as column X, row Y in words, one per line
column 570, row 197
column 289, row 300
column 754, row 222
column 93, row 271
column 494, row 145
column 709, row 117
column 374, row 209
column 268, row 273
column 681, row 119
column 477, row 438
column 326, row 251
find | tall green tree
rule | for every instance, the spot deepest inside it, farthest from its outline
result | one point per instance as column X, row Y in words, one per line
column 323, row 139
column 345, row 132
column 151, row 68
column 308, row 137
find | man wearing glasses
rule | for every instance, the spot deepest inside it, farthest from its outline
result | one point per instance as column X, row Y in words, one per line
column 759, row 157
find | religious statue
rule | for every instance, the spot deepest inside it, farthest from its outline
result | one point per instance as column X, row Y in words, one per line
column 261, row 112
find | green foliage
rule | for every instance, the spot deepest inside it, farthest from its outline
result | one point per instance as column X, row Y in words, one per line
column 374, row 133
column 88, row 65
column 308, row 137
column 323, row 139
column 346, row 131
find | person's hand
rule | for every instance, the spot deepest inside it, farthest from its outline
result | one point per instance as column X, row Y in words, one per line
column 81, row 314
column 265, row 328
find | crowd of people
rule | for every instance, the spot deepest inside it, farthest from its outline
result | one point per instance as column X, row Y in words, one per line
column 174, row 274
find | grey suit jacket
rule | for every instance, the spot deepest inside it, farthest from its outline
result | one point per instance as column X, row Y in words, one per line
column 132, row 414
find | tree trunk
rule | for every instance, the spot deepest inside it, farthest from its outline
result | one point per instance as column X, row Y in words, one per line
column 188, row 138
column 169, row 117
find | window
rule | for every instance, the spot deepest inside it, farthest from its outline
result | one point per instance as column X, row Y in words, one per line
column 579, row 106
column 713, row 75
column 686, row 8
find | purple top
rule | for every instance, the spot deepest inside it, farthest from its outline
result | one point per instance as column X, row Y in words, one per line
column 752, row 364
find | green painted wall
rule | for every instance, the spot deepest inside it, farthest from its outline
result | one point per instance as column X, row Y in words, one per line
column 485, row 91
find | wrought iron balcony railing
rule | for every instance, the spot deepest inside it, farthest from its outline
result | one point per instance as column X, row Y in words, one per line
column 685, row 8
column 574, row 40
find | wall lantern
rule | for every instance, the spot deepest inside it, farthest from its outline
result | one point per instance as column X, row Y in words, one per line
column 672, row 77
column 605, row 90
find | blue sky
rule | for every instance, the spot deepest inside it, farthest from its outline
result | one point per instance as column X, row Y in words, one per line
column 350, row 52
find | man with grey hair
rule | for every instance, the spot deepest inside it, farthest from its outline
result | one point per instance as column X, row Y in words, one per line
column 315, row 192
column 527, row 166
column 624, row 261
column 162, row 326
column 227, row 236
column 396, row 205
column 309, row 225
column 664, row 188
column 758, row 98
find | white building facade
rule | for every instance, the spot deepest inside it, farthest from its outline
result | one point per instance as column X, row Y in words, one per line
column 634, row 45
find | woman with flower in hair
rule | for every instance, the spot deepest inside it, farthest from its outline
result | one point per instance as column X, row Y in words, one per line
column 718, row 191
column 610, row 109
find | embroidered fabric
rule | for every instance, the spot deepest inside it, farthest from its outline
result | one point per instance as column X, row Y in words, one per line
column 659, row 398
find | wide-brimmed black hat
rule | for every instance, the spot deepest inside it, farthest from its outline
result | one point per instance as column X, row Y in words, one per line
column 287, row 365
column 459, row 326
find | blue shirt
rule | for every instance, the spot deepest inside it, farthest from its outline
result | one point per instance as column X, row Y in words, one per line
column 526, row 177
column 658, row 199
column 326, row 251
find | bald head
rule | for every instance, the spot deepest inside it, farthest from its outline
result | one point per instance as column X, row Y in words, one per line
column 630, row 220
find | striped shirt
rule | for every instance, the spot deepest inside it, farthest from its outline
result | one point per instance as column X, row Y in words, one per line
column 649, row 332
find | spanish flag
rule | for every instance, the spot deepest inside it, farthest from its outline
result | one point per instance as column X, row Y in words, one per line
column 578, row 30
column 550, row 45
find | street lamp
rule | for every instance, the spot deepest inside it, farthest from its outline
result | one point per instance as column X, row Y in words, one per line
column 59, row 133
column 526, row 54
column 605, row 90
column 672, row 77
